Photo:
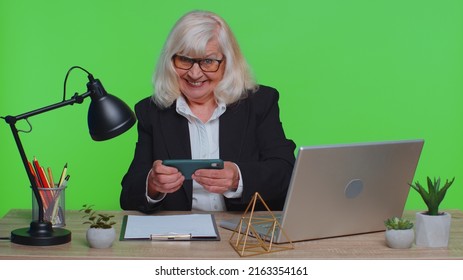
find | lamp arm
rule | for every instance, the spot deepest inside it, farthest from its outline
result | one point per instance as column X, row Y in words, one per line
column 11, row 120
column 34, row 186
column 74, row 99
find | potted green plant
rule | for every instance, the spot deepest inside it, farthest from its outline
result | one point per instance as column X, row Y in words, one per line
column 432, row 227
column 101, row 233
column 399, row 233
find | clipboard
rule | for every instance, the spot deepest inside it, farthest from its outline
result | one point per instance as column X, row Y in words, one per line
column 189, row 227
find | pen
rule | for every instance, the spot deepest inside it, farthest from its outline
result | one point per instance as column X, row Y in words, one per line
column 31, row 168
column 167, row 237
column 50, row 178
column 45, row 179
column 42, row 195
column 37, row 172
column 42, row 178
column 55, row 219
column 56, row 207
column 63, row 175
column 65, row 181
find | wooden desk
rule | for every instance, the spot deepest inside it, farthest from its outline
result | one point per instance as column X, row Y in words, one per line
column 365, row 246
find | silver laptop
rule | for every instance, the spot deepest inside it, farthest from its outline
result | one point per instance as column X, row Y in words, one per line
column 339, row 190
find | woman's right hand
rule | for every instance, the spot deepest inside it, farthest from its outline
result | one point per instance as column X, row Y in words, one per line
column 163, row 179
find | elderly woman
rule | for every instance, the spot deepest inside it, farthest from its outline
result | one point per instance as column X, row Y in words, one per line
column 206, row 105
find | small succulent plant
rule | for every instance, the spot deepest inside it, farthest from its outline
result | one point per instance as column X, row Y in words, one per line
column 96, row 220
column 398, row 223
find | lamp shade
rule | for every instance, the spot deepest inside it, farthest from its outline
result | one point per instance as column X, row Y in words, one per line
column 108, row 116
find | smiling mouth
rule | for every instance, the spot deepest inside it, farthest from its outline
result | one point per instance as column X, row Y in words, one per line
column 195, row 84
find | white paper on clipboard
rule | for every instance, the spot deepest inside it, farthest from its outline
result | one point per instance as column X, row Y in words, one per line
column 198, row 226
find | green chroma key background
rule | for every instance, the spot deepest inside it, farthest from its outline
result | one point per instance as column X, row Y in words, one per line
column 347, row 71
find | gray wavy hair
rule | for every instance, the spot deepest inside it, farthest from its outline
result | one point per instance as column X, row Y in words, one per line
column 190, row 35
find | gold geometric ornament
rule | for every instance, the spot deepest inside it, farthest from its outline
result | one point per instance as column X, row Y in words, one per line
column 245, row 239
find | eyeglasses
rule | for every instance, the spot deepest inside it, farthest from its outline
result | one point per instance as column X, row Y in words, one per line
column 206, row 64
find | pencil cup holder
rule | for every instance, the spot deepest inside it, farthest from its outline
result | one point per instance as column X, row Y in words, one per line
column 53, row 205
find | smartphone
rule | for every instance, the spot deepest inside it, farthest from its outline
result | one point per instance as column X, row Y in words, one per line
column 188, row 166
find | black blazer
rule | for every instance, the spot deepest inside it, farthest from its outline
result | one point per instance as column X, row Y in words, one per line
column 250, row 135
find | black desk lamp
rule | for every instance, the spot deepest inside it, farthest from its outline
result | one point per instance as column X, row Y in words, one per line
column 108, row 117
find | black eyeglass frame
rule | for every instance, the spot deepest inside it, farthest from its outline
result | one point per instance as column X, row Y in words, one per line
column 198, row 61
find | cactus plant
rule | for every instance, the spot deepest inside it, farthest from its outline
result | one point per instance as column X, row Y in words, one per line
column 435, row 194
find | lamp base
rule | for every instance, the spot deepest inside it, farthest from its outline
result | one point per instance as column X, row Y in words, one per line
column 40, row 234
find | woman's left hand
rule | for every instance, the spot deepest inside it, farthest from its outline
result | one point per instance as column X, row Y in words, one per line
column 218, row 180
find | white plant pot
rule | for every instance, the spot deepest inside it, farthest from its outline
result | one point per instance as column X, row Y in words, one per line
column 432, row 231
column 400, row 238
column 101, row 237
